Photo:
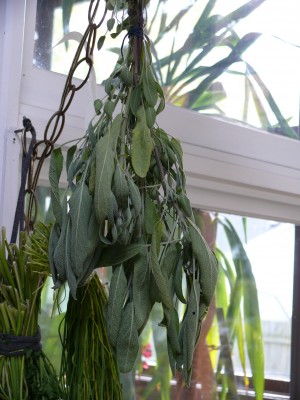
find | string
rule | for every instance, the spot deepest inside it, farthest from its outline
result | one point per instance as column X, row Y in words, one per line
column 11, row 345
column 19, row 214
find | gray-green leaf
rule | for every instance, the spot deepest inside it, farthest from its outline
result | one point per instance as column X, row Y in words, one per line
column 116, row 298
column 56, row 166
column 128, row 342
column 149, row 87
column 142, row 145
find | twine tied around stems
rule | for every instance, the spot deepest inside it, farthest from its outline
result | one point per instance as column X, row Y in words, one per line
column 13, row 346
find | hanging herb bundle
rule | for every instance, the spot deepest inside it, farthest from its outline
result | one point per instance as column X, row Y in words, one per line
column 25, row 371
column 88, row 368
column 128, row 209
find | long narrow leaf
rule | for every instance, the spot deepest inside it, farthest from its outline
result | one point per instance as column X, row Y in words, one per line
column 253, row 329
column 287, row 130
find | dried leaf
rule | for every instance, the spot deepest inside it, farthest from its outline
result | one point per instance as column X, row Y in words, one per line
column 142, row 145
column 128, row 342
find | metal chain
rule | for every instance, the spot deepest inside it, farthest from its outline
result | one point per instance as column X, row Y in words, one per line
column 56, row 122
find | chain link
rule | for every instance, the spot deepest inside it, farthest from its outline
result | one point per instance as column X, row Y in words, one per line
column 55, row 125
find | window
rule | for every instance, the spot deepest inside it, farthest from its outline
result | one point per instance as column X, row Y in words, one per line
column 230, row 167
column 248, row 84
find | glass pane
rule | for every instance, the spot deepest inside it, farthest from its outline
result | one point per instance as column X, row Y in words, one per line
column 235, row 59
column 270, row 248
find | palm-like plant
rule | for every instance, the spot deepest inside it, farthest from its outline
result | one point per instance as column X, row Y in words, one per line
column 188, row 75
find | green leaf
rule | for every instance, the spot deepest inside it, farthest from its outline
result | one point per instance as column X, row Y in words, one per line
column 121, row 189
column 71, row 278
column 287, row 130
column 253, row 329
column 190, row 328
column 110, row 23
column 117, row 254
column 66, row 11
column 126, row 76
column 128, row 342
column 105, row 168
column 83, row 229
column 100, row 42
column 151, row 215
column 59, row 255
column 150, row 116
column 53, row 241
column 135, row 100
column 70, row 155
column 207, row 262
column 114, row 308
column 159, row 277
column 149, row 87
column 135, row 197
column 178, row 282
column 98, row 104
column 56, row 166
column 141, row 288
column 142, row 145
column 109, row 108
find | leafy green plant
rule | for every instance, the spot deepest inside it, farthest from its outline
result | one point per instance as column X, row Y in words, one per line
column 25, row 370
column 241, row 310
column 188, row 75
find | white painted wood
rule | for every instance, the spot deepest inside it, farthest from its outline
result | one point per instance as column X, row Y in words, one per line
column 12, row 20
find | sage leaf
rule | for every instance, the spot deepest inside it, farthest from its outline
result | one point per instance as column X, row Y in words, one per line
column 142, row 145
column 70, row 155
column 126, row 76
column 135, row 100
column 173, row 330
column 109, row 108
column 121, row 189
column 108, row 86
column 149, row 87
column 151, row 215
column 117, row 254
column 56, row 166
column 53, row 241
column 191, row 329
column 172, row 358
column 100, row 42
column 92, row 177
column 98, row 104
column 159, row 277
column 135, row 197
column 105, row 167
column 150, row 116
column 141, row 287
column 71, row 278
column 178, row 282
column 207, row 262
column 170, row 260
column 59, row 252
column 113, row 209
column 128, row 342
column 114, row 308
column 83, row 242
column 110, row 23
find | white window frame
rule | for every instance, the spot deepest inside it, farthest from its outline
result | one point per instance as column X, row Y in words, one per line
column 230, row 167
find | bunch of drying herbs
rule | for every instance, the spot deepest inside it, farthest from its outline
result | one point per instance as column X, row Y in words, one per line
column 25, row 371
column 128, row 209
